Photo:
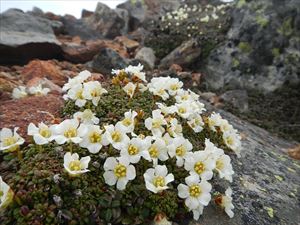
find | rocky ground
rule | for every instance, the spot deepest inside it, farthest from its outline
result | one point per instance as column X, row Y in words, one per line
column 243, row 58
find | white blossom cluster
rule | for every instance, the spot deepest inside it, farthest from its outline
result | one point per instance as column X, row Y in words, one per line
column 82, row 91
column 195, row 13
column 22, row 91
column 166, row 140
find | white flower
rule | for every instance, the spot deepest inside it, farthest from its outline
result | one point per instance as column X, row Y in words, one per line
column 155, row 124
column 157, row 178
column 128, row 122
column 200, row 164
column 79, row 79
column 86, row 117
column 161, row 219
column 166, row 110
column 174, row 85
column 93, row 90
column 212, row 151
column 136, row 71
column 225, row 126
column 195, row 193
column 116, row 72
column 130, row 89
column 179, row 148
column 182, row 96
column 6, row 194
column 41, row 134
column 174, row 128
column 94, row 139
column 225, row 201
column 116, row 135
column 205, row 19
column 19, row 92
column 69, row 130
column 118, row 171
column 214, row 121
column 75, row 93
column 39, row 90
column 158, row 150
column 184, row 109
column 224, row 167
column 233, row 141
column 137, row 148
column 196, row 123
column 157, row 86
column 10, row 141
column 74, row 166
column 197, row 212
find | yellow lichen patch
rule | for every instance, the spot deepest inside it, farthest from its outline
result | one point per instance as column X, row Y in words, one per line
column 291, row 170
column 270, row 211
column 278, row 177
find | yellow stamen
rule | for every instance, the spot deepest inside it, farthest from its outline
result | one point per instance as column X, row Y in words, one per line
column 70, row 133
column 120, row 170
column 180, row 151
column 199, row 167
column 153, row 151
column 75, row 165
column 219, row 164
column 159, row 181
column 116, row 136
column 45, row 132
column 127, row 122
column 195, row 190
column 133, row 150
column 95, row 137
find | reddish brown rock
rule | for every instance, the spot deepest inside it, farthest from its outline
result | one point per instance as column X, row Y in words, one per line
column 43, row 69
column 176, row 68
column 79, row 51
column 129, row 44
column 35, row 109
column 8, row 82
column 294, row 152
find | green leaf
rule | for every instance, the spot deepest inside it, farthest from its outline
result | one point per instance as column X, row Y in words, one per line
column 108, row 215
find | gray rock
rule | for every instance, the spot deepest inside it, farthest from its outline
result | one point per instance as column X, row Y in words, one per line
column 24, row 37
column 262, row 47
column 237, row 98
column 141, row 11
column 123, row 13
column 78, row 27
column 106, row 60
column 106, row 21
column 185, row 54
column 147, row 55
column 266, row 181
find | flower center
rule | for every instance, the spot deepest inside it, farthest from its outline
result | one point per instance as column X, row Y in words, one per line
column 45, row 132
column 159, row 181
column 9, row 141
column 116, row 136
column 219, row 164
column 182, row 110
column 185, row 97
column 95, row 93
column 174, row 87
column 180, row 151
column 133, row 150
column 79, row 94
column 153, row 151
column 75, row 165
column 199, row 167
column 195, row 190
column 229, row 140
column 161, row 91
column 70, row 133
column 126, row 122
column 120, row 170
column 156, row 123
column 95, row 137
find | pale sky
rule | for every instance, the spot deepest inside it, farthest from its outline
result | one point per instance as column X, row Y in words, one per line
column 60, row 7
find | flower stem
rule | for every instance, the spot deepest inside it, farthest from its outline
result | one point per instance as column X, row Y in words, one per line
column 19, row 154
column 70, row 146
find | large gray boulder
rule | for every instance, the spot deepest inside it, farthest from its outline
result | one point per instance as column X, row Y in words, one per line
column 106, row 21
column 266, row 182
column 23, row 37
column 262, row 50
